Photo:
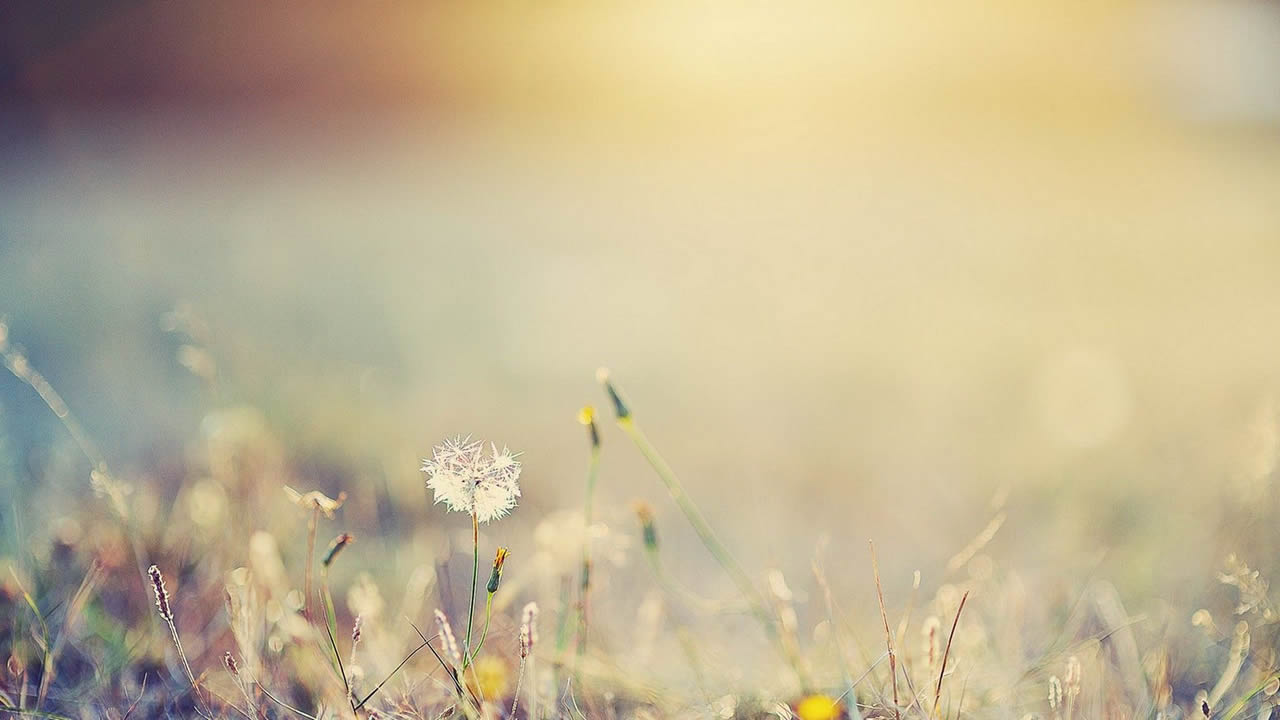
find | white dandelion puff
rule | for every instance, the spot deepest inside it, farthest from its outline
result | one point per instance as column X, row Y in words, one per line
column 467, row 479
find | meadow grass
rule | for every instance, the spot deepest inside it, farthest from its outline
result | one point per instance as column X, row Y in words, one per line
column 221, row 626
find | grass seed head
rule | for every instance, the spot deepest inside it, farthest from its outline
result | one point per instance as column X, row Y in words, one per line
column 162, row 594
column 1071, row 682
column 450, row 642
column 930, row 631
column 528, row 629
column 229, row 661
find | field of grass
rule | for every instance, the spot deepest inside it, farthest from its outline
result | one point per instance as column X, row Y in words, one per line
column 232, row 589
column 942, row 344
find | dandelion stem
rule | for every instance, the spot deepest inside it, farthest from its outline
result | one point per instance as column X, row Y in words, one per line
column 475, row 572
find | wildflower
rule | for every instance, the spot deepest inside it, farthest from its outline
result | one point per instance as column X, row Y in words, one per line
column 468, row 480
column 489, row 678
column 496, row 576
column 587, row 416
column 315, row 500
column 818, row 707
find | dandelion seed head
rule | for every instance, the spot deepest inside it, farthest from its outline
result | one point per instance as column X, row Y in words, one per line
column 467, row 479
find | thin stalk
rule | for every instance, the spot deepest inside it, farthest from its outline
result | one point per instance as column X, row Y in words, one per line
column 484, row 632
column 283, row 704
column 46, row 642
column 821, row 577
column 699, row 523
column 937, row 693
column 1236, row 707
column 374, row 691
column 470, row 706
column 888, row 635
column 587, row 418
column 584, row 588
column 330, row 617
column 191, row 678
column 329, row 625
column 475, row 572
column 696, row 519
column 515, row 699
column 312, row 522
column 101, row 479
column 564, row 624
column 249, row 703
column 679, row 592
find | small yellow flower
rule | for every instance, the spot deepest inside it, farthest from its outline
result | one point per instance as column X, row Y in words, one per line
column 490, row 678
column 818, row 707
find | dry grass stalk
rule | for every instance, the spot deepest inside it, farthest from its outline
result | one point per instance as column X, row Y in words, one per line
column 888, row 634
column 528, row 639
column 166, row 612
column 937, row 693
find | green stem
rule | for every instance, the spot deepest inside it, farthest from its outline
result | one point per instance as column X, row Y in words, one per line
column 584, row 589
column 681, row 593
column 699, row 523
column 475, row 572
column 484, row 632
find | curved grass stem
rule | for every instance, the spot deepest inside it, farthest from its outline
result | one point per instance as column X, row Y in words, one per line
column 699, row 523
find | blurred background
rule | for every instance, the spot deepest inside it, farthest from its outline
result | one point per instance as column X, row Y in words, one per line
column 891, row 270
